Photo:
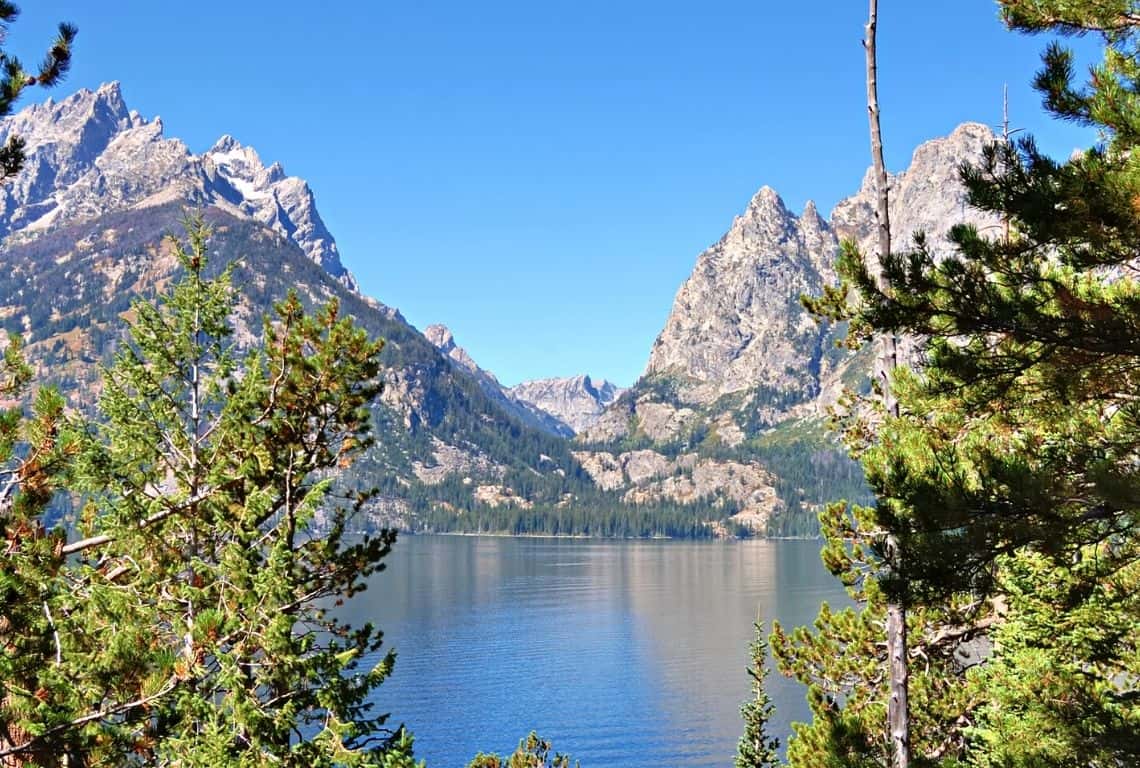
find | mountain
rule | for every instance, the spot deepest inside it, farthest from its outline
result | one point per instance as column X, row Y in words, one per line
column 721, row 433
column 740, row 369
column 84, row 229
column 577, row 401
column 561, row 407
column 89, row 154
column 524, row 411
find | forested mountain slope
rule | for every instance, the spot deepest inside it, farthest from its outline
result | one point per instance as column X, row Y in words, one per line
column 84, row 227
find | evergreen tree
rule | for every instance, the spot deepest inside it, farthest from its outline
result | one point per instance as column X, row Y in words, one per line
column 14, row 79
column 756, row 748
column 1009, row 475
column 190, row 623
column 842, row 661
column 532, row 752
column 34, row 452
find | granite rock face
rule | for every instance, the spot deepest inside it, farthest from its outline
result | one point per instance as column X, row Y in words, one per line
column 576, row 401
column 89, row 155
column 688, row 478
column 736, row 322
column 738, row 339
column 740, row 358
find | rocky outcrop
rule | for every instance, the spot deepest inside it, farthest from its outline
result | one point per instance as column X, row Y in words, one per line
column 451, row 460
column 284, row 204
column 738, row 339
column 652, row 477
column 737, row 323
column 577, row 401
column 88, row 155
column 500, row 496
column 926, row 197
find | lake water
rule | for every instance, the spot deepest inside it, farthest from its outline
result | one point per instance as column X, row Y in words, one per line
column 623, row 653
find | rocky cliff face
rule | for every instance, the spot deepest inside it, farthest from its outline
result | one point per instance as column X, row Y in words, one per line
column 736, row 323
column 739, row 356
column 89, row 155
column 577, row 401
column 737, row 327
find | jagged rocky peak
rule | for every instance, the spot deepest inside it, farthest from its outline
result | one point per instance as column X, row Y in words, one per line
column 283, row 203
column 927, row 196
column 765, row 218
column 84, row 110
column 737, row 325
column 442, row 339
column 736, row 322
column 89, row 155
column 578, row 401
column 440, row 336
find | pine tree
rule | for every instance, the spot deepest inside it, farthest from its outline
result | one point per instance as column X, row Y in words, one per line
column 191, row 620
column 1009, row 475
column 757, row 749
column 14, row 79
column 532, row 752
column 842, row 662
column 32, row 456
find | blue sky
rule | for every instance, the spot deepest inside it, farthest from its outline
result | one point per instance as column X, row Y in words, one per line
column 540, row 176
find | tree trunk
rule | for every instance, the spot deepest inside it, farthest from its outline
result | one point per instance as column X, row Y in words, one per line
column 898, row 706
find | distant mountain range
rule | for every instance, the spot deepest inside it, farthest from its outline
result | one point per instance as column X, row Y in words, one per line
column 721, row 432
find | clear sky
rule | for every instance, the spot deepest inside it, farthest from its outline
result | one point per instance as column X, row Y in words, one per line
column 540, row 176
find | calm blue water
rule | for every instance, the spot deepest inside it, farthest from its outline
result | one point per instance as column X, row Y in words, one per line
column 623, row 653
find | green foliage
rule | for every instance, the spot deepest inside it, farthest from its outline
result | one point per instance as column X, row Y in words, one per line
column 14, row 79
column 1061, row 689
column 1009, row 478
column 187, row 624
column 757, row 749
column 532, row 752
column 842, row 660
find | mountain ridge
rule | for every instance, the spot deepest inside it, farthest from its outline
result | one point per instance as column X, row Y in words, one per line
column 88, row 154
column 740, row 368
column 721, row 434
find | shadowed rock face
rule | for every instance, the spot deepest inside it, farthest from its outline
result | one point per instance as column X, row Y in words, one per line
column 537, row 418
column 89, row 155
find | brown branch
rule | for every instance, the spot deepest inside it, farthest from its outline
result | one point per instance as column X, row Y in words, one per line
column 105, row 538
column 89, row 718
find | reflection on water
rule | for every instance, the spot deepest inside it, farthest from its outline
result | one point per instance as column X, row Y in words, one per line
column 623, row 653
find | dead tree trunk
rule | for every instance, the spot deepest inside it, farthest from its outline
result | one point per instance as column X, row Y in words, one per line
column 898, row 706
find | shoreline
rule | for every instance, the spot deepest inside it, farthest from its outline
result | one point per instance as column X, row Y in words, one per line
column 583, row 537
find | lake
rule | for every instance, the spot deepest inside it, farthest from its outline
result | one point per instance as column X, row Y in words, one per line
column 623, row 653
